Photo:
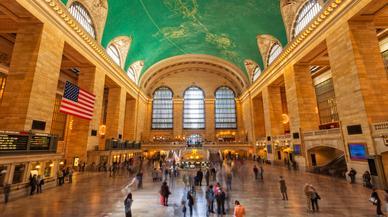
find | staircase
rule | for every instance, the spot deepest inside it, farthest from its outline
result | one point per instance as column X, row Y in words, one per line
column 336, row 168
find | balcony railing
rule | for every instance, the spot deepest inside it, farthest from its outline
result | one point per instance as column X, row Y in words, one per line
column 26, row 142
column 329, row 132
column 380, row 126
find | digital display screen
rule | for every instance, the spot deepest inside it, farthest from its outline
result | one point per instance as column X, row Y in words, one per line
column 297, row 149
column 358, row 152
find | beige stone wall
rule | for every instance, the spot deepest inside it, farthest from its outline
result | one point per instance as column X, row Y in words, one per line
column 33, row 76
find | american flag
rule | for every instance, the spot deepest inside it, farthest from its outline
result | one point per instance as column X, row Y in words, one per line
column 77, row 102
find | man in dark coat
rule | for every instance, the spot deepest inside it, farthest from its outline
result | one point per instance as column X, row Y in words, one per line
column 200, row 177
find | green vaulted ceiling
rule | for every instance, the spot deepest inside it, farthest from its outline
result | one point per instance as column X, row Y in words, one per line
column 164, row 28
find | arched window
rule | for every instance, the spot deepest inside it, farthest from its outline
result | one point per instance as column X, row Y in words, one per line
column 114, row 53
column 307, row 13
column 256, row 73
column 225, row 109
column 79, row 12
column 194, row 109
column 131, row 73
column 162, row 109
column 276, row 49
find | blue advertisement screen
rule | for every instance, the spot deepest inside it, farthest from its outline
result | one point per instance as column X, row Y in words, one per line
column 297, row 150
column 358, row 151
column 269, row 149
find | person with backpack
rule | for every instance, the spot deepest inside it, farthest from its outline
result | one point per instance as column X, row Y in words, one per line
column 314, row 200
column 366, row 177
column 220, row 198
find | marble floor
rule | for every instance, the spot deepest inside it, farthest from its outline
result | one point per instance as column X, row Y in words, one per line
column 98, row 195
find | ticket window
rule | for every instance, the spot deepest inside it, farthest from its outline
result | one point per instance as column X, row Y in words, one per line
column 18, row 174
column 48, row 169
column 36, row 168
column 3, row 174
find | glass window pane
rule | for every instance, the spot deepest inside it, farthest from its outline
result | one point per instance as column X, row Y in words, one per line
column 306, row 14
column 114, row 53
column 162, row 109
column 225, row 109
column 194, row 109
column 275, row 51
column 83, row 17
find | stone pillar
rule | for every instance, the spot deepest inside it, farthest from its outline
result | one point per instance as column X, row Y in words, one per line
column 33, row 77
column 79, row 139
column 240, row 122
column 301, row 99
column 360, row 82
column 209, row 119
column 115, row 112
column 178, row 117
column 142, row 118
column 129, row 121
column 272, row 107
column 258, row 116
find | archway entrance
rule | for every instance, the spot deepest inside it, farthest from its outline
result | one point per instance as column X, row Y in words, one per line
column 327, row 160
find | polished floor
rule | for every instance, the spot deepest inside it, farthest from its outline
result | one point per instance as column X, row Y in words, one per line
column 98, row 195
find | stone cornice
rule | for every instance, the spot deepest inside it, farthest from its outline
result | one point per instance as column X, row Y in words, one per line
column 66, row 21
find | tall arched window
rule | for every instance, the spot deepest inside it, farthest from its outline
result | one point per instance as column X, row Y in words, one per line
column 256, row 73
column 307, row 13
column 162, row 109
column 114, row 53
column 194, row 109
column 276, row 49
column 131, row 73
column 225, row 109
column 79, row 12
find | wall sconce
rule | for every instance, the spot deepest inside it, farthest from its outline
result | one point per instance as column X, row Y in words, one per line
column 102, row 130
column 37, row 167
column 61, row 163
column 51, row 165
column 285, row 118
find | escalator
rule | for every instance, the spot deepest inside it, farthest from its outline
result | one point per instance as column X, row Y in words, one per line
column 335, row 168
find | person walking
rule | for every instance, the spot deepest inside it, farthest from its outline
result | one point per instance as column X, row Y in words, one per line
column 256, row 172
column 200, row 177
column 366, row 177
column 39, row 184
column 352, row 174
column 229, row 178
column 209, row 195
column 33, row 184
column 314, row 200
column 70, row 175
column 59, row 177
column 283, row 188
column 207, row 177
column 184, row 209
column 386, row 200
column 375, row 200
column 7, row 191
column 190, row 202
column 220, row 198
column 261, row 173
column 164, row 193
column 239, row 210
column 128, row 204
column 307, row 189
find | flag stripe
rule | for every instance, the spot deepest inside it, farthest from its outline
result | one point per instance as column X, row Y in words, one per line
column 71, row 112
column 76, row 110
column 76, row 105
column 77, row 102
